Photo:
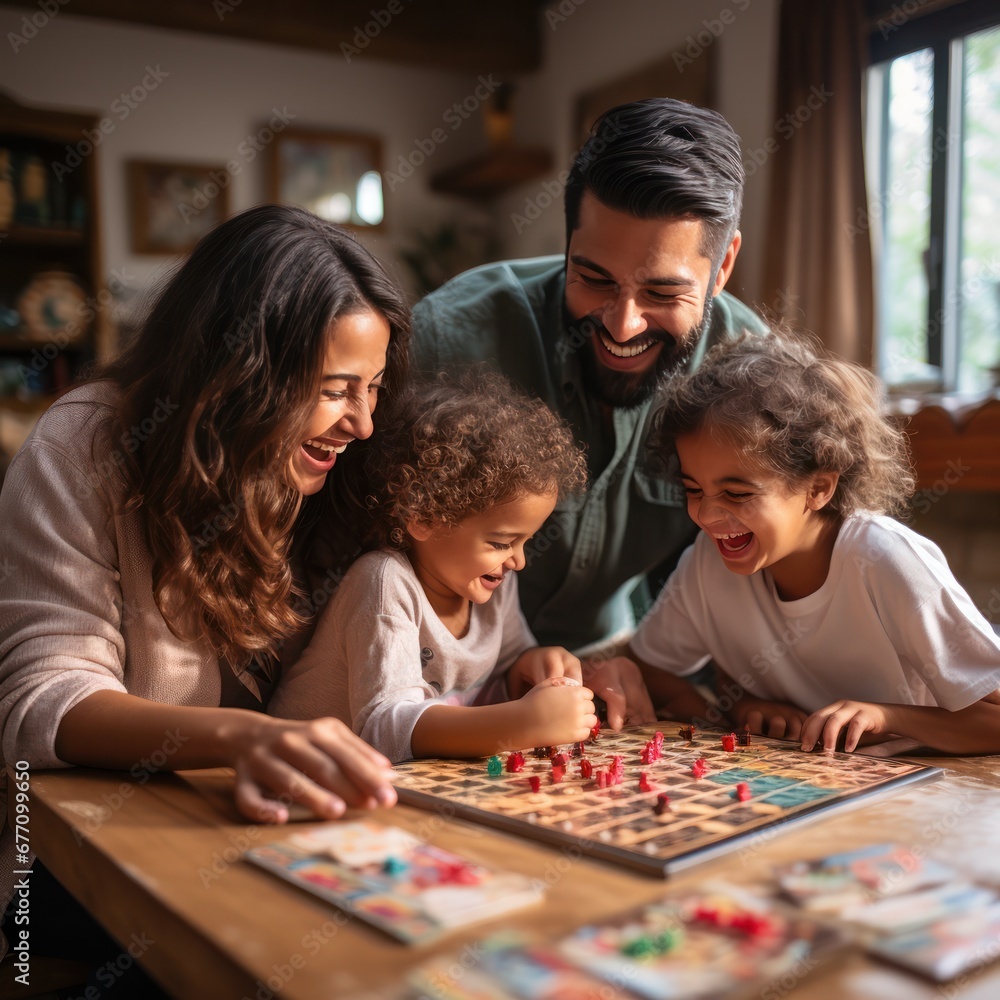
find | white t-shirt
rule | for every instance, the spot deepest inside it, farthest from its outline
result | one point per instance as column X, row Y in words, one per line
column 891, row 624
column 380, row 655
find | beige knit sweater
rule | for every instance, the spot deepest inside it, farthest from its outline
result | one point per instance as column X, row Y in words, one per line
column 77, row 613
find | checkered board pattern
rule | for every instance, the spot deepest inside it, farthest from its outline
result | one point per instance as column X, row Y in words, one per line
column 618, row 823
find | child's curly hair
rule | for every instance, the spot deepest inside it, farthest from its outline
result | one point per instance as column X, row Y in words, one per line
column 458, row 446
column 783, row 399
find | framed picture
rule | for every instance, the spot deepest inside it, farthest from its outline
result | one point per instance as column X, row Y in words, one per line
column 174, row 204
column 336, row 175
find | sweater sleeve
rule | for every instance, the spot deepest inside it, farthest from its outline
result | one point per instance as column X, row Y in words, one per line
column 60, row 599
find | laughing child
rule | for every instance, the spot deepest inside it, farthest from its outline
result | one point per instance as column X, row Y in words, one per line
column 825, row 617
column 471, row 470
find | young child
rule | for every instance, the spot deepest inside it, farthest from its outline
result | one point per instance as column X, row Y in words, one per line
column 808, row 598
column 417, row 628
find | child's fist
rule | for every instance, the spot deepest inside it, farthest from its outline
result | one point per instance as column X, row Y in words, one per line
column 559, row 710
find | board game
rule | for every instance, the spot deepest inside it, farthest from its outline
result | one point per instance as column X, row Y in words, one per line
column 650, row 798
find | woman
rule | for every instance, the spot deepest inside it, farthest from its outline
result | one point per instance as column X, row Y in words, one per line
column 148, row 521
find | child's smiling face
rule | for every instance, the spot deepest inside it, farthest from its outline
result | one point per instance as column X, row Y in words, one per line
column 468, row 561
column 758, row 519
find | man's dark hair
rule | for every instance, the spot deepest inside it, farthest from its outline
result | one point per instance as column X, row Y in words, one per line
column 659, row 159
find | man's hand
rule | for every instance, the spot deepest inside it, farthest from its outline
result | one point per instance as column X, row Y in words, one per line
column 619, row 683
column 538, row 664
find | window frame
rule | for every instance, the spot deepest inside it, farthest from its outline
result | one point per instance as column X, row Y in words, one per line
column 894, row 33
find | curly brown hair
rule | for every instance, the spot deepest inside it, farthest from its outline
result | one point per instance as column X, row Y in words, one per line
column 460, row 445
column 798, row 410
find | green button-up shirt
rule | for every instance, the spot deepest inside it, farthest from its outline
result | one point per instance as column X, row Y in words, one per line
column 584, row 563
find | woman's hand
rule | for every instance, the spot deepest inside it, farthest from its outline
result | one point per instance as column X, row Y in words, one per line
column 320, row 764
column 538, row 664
column 619, row 682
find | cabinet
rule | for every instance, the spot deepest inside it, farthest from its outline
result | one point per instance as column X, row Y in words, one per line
column 54, row 309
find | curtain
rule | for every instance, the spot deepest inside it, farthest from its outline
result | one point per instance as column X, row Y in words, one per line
column 817, row 252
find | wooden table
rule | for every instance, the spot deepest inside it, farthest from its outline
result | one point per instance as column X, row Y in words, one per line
column 160, row 860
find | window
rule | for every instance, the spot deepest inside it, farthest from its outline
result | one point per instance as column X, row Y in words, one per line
column 933, row 160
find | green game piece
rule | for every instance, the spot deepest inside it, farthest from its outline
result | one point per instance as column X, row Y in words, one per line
column 640, row 947
column 494, row 767
column 394, row 866
column 667, row 940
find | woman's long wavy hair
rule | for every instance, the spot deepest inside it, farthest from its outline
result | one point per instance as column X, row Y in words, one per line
column 216, row 394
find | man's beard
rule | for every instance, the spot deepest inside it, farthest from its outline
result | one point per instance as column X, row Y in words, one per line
column 623, row 390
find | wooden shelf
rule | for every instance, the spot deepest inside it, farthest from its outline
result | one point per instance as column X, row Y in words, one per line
column 45, row 236
column 493, row 173
column 35, row 406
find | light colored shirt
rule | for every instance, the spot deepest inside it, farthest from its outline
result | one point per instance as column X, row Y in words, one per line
column 380, row 656
column 890, row 624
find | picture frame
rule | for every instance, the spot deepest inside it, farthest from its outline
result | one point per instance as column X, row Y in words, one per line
column 173, row 205
column 335, row 175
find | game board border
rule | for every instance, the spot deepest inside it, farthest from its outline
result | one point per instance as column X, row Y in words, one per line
column 664, row 868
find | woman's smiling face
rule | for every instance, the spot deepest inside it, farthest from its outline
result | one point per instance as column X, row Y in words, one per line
column 353, row 366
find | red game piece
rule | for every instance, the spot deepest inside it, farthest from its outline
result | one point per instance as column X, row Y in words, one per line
column 559, row 760
column 662, row 804
column 644, row 785
column 596, row 731
column 743, row 791
column 699, row 768
column 558, row 770
column 602, row 778
column 515, row 762
column 618, row 765
column 658, row 739
column 729, row 742
column 579, row 749
column 586, row 768
column 744, row 737
column 686, row 732
column 535, row 782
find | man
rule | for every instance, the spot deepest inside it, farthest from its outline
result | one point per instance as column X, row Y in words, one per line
column 652, row 211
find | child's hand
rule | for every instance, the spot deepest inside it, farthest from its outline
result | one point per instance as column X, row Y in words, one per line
column 536, row 665
column 856, row 717
column 780, row 720
column 619, row 682
column 557, row 710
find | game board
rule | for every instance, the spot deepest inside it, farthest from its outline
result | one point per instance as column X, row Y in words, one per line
column 765, row 785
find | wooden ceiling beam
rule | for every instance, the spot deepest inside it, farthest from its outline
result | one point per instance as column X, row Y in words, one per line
column 503, row 38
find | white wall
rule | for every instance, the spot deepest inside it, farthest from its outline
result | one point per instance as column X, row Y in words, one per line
column 219, row 91
column 589, row 42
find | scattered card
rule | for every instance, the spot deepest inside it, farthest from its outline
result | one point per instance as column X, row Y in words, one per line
column 855, row 877
column 391, row 879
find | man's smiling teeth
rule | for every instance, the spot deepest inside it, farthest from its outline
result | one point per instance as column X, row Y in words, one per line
column 327, row 447
column 736, row 534
column 635, row 346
